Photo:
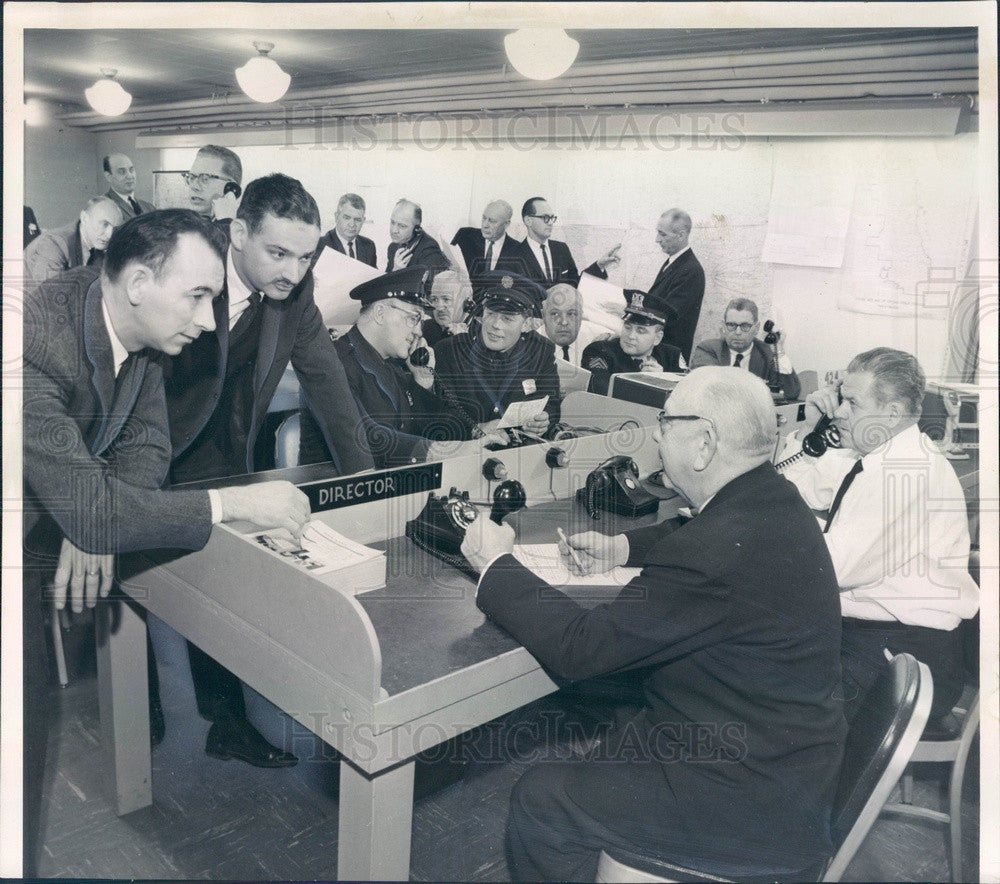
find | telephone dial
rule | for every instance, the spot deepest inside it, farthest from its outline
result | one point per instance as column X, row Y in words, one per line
column 614, row 486
column 440, row 528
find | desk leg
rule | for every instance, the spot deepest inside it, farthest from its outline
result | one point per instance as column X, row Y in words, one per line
column 123, row 697
column 376, row 817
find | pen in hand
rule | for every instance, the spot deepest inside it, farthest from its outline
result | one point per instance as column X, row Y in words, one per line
column 572, row 552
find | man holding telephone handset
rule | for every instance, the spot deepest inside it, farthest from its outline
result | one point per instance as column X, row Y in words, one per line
column 733, row 626
column 214, row 183
column 411, row 245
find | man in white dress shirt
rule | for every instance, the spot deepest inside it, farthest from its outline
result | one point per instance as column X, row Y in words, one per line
column 897, row 529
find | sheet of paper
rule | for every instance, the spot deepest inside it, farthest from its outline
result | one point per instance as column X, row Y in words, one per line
column 519, row 413
column 335, row 274
column 603, row 302
column 544, row 560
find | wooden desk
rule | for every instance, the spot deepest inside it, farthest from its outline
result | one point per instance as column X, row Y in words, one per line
column 381, row 676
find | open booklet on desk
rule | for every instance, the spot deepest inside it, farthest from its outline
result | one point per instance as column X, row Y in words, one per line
column 328, row 555
column 544, row 560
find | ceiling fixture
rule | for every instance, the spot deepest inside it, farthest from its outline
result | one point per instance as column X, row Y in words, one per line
column 106, row 96
column 541, row 53
column 261, row 78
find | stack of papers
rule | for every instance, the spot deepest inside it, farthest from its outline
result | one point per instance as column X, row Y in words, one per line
column 328, row 555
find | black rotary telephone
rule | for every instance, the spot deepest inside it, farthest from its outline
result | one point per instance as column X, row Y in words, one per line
column 614, row 486
column 440, row 528
column 824, row 435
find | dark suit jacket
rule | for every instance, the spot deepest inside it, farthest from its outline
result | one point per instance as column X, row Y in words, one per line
column 54, row 252
column 473, row 247
column 290, row 331
column 682, row 286
column 400, row 417
column 734, row 627
column 96, row 447
column 364, row 248
column 427, row 253
column 563, row 265
column 715, row 351
column 125, row 207
column 606, row 357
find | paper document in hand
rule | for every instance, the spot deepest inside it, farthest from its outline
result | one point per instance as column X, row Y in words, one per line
column 603, row 302
column 519, row 413
column 544, row 560
column 334, row 275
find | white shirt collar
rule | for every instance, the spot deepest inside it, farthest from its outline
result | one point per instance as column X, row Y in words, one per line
column 496, row 246
column 908, row 445
column 676, row 255
column 239, row 293
column 745, row 364
column 118, row 352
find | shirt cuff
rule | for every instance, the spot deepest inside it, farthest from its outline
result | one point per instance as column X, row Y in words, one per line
column 489, row 565
column 784, row 364
column 215, row 499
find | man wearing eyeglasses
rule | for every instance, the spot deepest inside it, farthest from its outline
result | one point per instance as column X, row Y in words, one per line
column 220, row 386
column 214, row 168
column 549, row 261
column 733, row 626
column 402, row 415
column 740, row 348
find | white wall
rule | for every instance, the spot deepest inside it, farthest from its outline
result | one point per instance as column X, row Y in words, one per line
column 59, row 172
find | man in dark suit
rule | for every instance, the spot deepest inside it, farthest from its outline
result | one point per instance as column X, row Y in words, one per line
column 96, row 442
column 734, row 627
column 219, row 389
column 549, row 261
column 487, row 247
column 346, row 235
column 740, row 348
column 214, row 182
column 76, row 245
column 411, row 246
column 402, row 415
column 640, row 346
column 120, row 172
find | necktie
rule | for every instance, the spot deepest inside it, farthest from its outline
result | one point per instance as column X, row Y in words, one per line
column 548, row 267
column 135, row 206
column 489, row 255
column 841, row 491
column 92, row 257
column 738, row 361
column 350, row 246
column 663, row 267
column 566, row 352
column 247, row 314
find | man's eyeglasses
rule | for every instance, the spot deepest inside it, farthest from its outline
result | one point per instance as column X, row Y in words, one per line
column 202, row 178
column 548, row 219
column 739, row 326
column 665, row 419
column 410, row 318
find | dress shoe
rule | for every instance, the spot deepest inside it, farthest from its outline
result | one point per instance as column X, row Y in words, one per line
column 237, row 738
column 157, row 724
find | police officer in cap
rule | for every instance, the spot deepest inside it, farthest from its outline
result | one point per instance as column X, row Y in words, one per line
column 393, row 387
column 502, row 360
column 639, row 348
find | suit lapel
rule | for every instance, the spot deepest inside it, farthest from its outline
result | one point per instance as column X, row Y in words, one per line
column 529, row 257
column 76, row 248
column 758, row 361
column 127, row 387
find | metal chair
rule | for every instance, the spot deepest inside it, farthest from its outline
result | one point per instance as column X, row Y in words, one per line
column 879, row 745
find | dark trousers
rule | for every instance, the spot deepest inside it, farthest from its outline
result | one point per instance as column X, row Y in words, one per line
column 218, row 692
column 863, row 658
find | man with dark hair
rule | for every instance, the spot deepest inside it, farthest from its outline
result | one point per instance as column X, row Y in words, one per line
column 549, row 261
column 120, row 172
column 346, row 237
column 96, row 441
column 640, row 346
column 220, row 387
column 76, row 245
column 411, row 245
column 733, row 627
column 739, row 347
column 896, row 529
column 213, row 170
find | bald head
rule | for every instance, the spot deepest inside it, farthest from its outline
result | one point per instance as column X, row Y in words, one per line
column 673, row 230
column 562, row 313
column 496, row 217
column 98, row 221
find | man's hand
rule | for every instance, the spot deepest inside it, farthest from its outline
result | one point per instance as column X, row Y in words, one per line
column 423, row 374
column 823, row 402
column 86, row 574
column 224, row 207
column 269, row 505
column 485, row 540
column 610, row 258
column 538, row 425
column 595, row 553
column 402, row 258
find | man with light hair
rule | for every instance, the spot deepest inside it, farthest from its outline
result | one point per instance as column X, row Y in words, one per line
column 76, row 245
column 564, row 323
column 488, row 246
column 897, row 529
column 733, row 626
column 411, row 245
column 214, row 182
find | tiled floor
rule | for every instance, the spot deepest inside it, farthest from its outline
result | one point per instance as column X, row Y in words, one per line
column 224, row 820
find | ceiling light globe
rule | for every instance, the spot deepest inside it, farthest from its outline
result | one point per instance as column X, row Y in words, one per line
column 108, row 98
column 263, row 80
column 541, row 53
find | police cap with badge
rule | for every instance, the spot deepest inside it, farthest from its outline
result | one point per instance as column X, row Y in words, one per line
column 646, row 309
column 401, row 285
column 511, row 293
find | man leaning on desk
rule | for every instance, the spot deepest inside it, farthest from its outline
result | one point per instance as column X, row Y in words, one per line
column 733, row 625
column 96, row 442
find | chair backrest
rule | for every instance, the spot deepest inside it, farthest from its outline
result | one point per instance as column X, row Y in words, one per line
column 286, row 443
column 879, row 745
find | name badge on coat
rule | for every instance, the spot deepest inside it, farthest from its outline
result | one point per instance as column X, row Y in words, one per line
column 528, row 386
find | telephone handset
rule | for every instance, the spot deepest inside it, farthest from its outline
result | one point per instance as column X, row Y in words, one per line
column 824, row 435
column 771, row 335
column 233, row 188
column 614, row 486
column 440, row 528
